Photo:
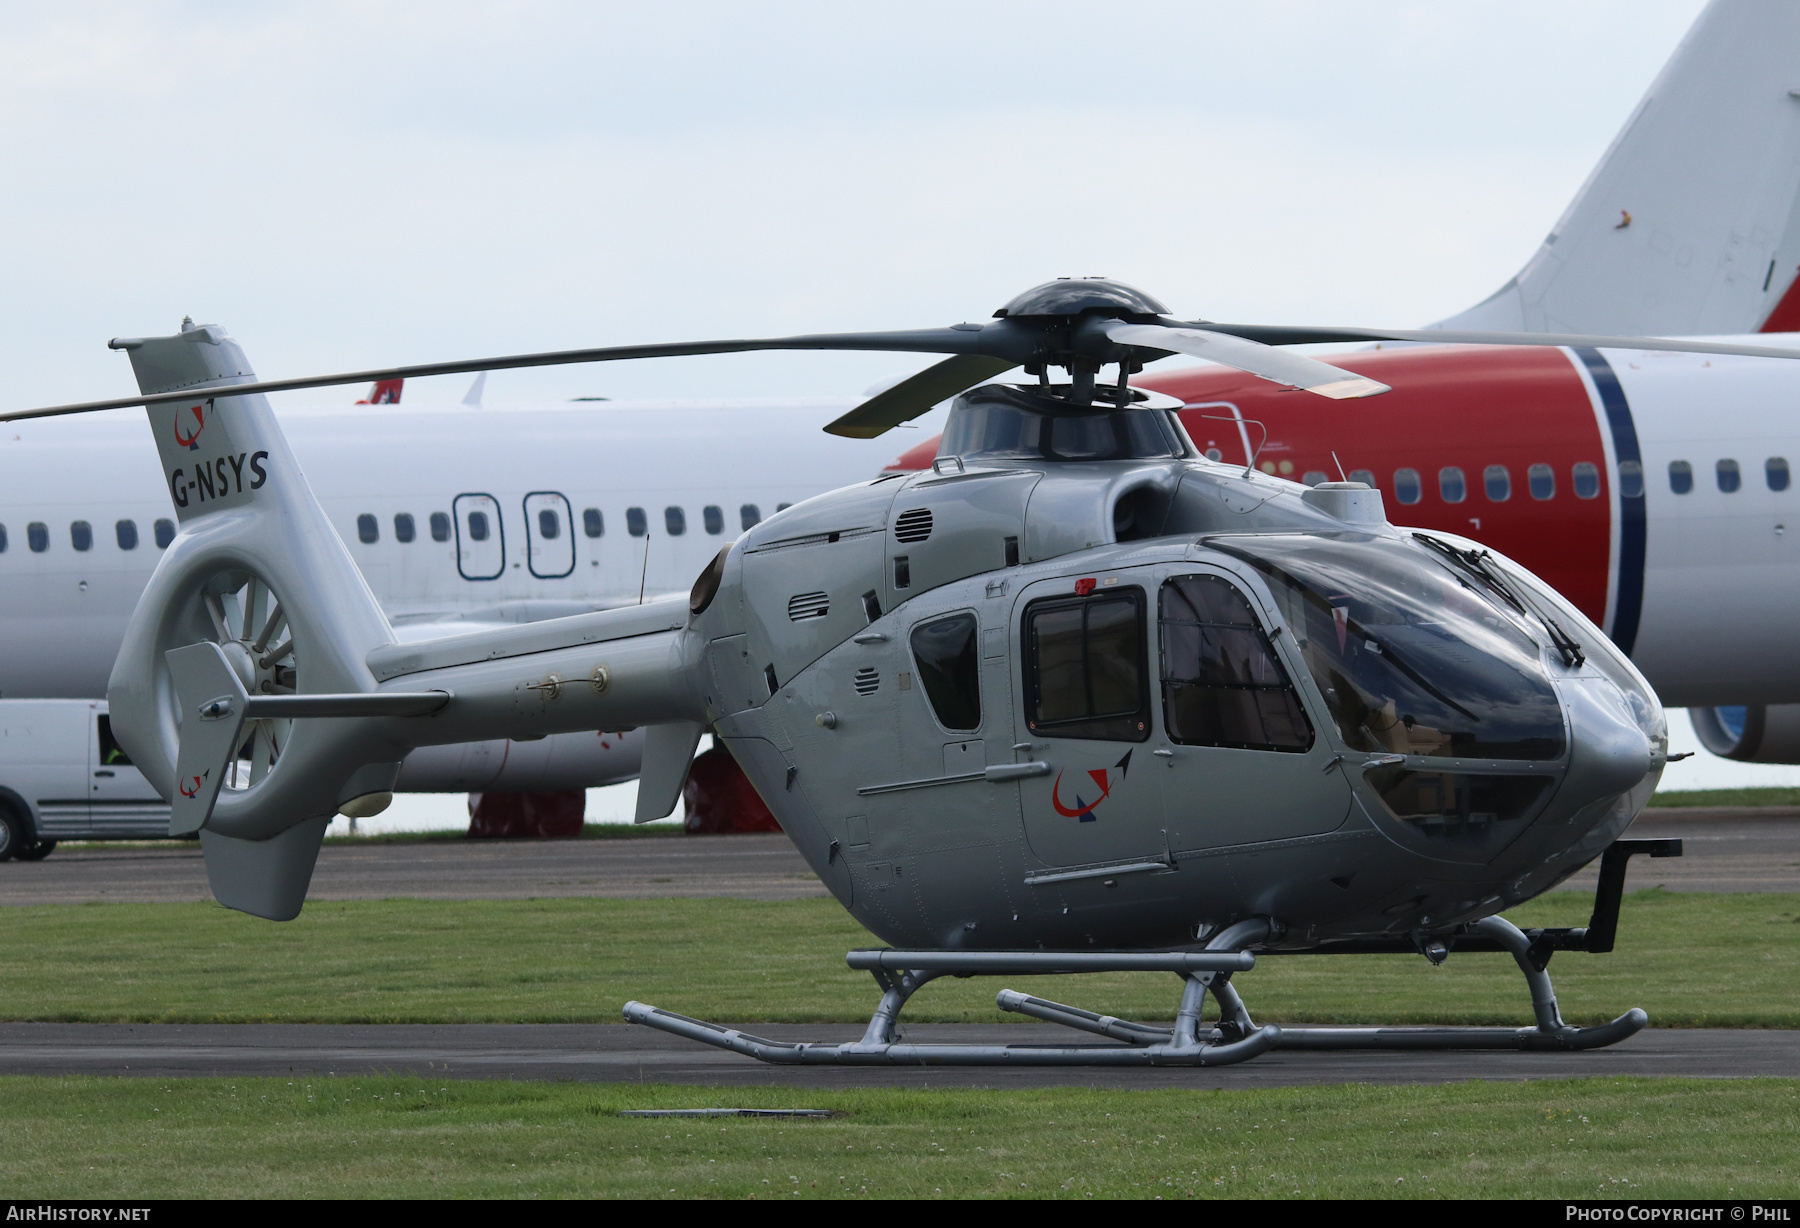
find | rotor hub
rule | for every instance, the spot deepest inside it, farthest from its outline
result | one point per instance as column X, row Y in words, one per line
column 1078, row 296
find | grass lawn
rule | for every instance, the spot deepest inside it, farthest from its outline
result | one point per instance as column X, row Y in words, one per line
column 1725, row 797
column 403, row 1138
column 1688, row 959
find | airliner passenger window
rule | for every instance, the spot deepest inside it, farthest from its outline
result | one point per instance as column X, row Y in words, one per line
column 674, row 521
column 2, row 539
column 1729, row 476
column 1498, row 482
column 1631, row 480
column 591, row 522
column 81, row 535
column 950, row 669
column 125, row 533
column 1084, row 667
column 1452, row 486
column 37, row 536
column 635, row 524
column 1543, row 481
column 1681, row 477
column 1775, row 469
column 1585, row 477
column 165, row 533
column 749, row 516
column 404, row 528
column 715, row 519
column 1222, row 683
column 368, row 530
column 1366, row 477
column 440, row 527
column 1406, row 485
column 782, row 507
column 478, row 526
column 1312, row 477
column 549, row 524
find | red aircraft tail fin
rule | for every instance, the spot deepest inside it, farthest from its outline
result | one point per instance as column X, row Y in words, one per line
column 383, row 392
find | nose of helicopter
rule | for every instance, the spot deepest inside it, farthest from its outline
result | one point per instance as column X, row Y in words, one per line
column 1609, row 753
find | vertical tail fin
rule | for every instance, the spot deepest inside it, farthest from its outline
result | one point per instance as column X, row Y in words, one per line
column 383, row 392
column 1690, row 224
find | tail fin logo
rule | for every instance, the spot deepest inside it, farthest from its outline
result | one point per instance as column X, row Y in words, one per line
column 192, row 786
column 191, row 441
column 1103, row 778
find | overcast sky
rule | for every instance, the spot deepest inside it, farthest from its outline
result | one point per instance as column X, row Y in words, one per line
column 347, row 185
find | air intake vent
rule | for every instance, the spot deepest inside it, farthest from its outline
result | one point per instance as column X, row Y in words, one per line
column 913, row 526
column 808, row 605
column 866, row 682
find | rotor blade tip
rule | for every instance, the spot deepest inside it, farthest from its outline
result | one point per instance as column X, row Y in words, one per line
column 1347, row 389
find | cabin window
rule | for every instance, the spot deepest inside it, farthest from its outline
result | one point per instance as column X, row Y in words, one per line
column 81, row 535
column 674, row 521
column 1729, row 476
column 950, row 669
column 749, row 516
column 549, row 524
column 1213, row 454
column 440, row 527
column 368, row 529
column 1775, row 471
column 591, row 522
column 1585, row 478
column 1542, row 480
column 404, row 528
column 125, row 533
column 1084, row 667
column 1497, row 481
column 1631, row 480
column 1222, row 683
column 2, row 539
column 714, row 516
column 1406, row 485
column 782, row 507
column 478, row 526
column 165, row 533
column 1681, row 477
column 635, row 524
column 37, row 536
column 1452, row 486
column 1312, row 477
column 1365, row 476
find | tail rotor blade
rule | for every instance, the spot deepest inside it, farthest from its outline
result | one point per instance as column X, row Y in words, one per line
column 916, row 394
column 1253, row 357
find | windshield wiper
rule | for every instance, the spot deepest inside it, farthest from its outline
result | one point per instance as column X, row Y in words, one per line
column 1481, row 564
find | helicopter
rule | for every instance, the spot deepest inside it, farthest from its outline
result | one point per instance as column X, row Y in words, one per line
column 1075, row 698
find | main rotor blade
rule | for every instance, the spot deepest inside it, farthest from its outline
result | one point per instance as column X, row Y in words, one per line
column 915, row 394
column 1253, row 357
column 1281, row 334
column 964, row 340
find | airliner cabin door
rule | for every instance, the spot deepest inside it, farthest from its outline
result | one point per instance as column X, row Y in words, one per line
column 480, row 540
column 549, row 536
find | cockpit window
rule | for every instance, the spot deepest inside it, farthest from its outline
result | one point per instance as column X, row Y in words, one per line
column 1222, row 683
column 1411, row 657
column 1000, row 423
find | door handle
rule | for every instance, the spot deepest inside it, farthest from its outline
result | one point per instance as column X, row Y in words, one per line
column 103, row 773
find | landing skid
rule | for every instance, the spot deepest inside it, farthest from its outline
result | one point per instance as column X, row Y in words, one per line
column 1235, row 1038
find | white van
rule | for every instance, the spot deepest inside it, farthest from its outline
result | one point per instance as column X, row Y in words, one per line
column 64, row 777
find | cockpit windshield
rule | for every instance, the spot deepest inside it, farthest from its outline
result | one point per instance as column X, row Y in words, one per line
column 995, row 422
column 1412, row 658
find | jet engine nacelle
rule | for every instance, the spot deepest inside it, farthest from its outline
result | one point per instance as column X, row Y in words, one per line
column 1754, row 733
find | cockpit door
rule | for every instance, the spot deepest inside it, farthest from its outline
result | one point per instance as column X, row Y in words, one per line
column 480, row 537
column 1239, row 760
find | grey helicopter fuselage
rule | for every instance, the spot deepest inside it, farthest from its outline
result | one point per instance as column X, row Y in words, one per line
column 1076, row 686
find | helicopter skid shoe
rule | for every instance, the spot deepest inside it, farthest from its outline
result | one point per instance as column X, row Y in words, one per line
column 901, row 973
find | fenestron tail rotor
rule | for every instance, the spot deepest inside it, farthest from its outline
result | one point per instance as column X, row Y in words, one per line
column 1077, row 324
